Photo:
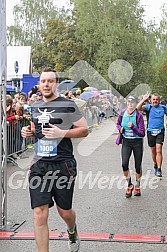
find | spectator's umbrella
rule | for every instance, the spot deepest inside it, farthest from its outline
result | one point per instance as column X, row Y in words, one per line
column 86, row 95
column 95, row 93
column 66, row 85
column 105, row 91
column 90, row 89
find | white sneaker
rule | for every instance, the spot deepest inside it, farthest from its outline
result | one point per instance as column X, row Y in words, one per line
column 74, row 241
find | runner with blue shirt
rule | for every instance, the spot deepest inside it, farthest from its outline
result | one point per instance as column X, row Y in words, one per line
column 155, row 129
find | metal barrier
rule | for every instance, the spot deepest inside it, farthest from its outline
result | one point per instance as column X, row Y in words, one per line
column 3, row 154
column 16, row 144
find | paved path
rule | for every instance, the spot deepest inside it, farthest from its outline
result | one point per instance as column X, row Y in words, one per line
column 99, row 199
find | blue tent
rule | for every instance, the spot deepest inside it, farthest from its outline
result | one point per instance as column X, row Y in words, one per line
column 9, row 88
column 29, row 81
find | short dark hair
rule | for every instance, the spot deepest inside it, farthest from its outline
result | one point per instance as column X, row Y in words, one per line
column 49, row 69
column 9, row 102
column 156, row 94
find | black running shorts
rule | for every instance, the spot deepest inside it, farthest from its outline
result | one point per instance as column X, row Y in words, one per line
column 153, row 140
column 49, row 182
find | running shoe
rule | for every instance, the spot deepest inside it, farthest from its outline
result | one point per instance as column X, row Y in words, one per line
column 129, row 191
column 74, row 241
column 159, row 173
column 137, row 191
column 155, row 169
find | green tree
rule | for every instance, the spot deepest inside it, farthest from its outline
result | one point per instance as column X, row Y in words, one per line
column 30, row 19
column 59, row 47
column 112, row 30
column 159, row 84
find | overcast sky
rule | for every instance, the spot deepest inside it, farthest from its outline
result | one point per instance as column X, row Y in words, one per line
column 152, row 8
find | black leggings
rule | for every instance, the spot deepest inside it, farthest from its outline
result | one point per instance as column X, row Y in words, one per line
column 135, row 145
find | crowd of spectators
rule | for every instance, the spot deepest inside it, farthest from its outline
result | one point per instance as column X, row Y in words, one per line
column 17, row 115
column 98, row 107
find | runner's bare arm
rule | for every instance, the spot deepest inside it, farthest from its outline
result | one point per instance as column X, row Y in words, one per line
column 140, row 104
column 80, row 129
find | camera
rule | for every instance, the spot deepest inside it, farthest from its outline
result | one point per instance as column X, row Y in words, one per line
column 46, row 125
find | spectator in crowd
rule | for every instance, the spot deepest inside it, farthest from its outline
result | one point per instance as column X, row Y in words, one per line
column 12, row 119
column 77, row 93
column 32, row 99
column 10, row 112
column 33, row 90
column 8, row 97
column 69, row 94
column 115, row 106
column 22, row 98
column 39, row 95
column 16, row 96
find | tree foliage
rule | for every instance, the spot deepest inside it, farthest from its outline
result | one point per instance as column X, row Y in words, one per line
column 159, row 60
column 30, row 19
column 59, row 47
column 98, row 32
column 112, row 30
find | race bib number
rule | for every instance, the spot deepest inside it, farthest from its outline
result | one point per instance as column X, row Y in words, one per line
column 129, row 134
column 47, row 148
column 155, row 132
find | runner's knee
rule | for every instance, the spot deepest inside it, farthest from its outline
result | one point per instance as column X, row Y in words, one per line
column 41, row 214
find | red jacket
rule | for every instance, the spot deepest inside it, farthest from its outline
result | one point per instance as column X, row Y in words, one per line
column 11, row 116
